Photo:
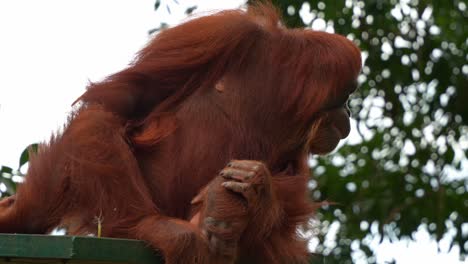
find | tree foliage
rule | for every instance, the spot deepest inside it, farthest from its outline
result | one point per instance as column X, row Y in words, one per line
column 409, row 167
column 9, row 177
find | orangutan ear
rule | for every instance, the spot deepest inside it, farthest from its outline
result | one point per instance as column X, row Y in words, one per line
column 219, row 86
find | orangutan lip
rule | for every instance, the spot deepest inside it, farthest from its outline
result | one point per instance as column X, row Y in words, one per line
column 340, row 135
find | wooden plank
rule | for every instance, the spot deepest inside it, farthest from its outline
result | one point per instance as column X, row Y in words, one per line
column 19, row 248
column 37, row 249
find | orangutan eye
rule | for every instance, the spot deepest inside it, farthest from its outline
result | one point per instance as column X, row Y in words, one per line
column 288, row 168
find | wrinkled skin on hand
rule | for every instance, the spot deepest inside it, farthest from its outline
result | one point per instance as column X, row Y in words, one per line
column 241, row 191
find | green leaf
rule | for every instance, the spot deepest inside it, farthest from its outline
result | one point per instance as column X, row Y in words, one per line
column 10, row 185
column 157, row 4
column 190, row 10
column 24, row 158
column 5, row 169
column 449, row 155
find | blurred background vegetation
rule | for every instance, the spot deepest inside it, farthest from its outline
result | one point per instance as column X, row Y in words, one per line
column 409, row 168
column 405, row 166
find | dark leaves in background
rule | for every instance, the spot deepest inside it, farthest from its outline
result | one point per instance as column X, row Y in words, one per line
column 400, row 177
column 190, row 10
column 7, row 174
column 157, row 4
column 24, row 158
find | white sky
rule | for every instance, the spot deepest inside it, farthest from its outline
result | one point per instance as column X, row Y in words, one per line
column 49, row 49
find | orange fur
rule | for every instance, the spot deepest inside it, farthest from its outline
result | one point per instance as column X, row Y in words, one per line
column 147, row 139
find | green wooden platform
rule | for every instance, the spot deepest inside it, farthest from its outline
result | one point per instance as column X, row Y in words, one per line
column 25, row 249
column 33, row 249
